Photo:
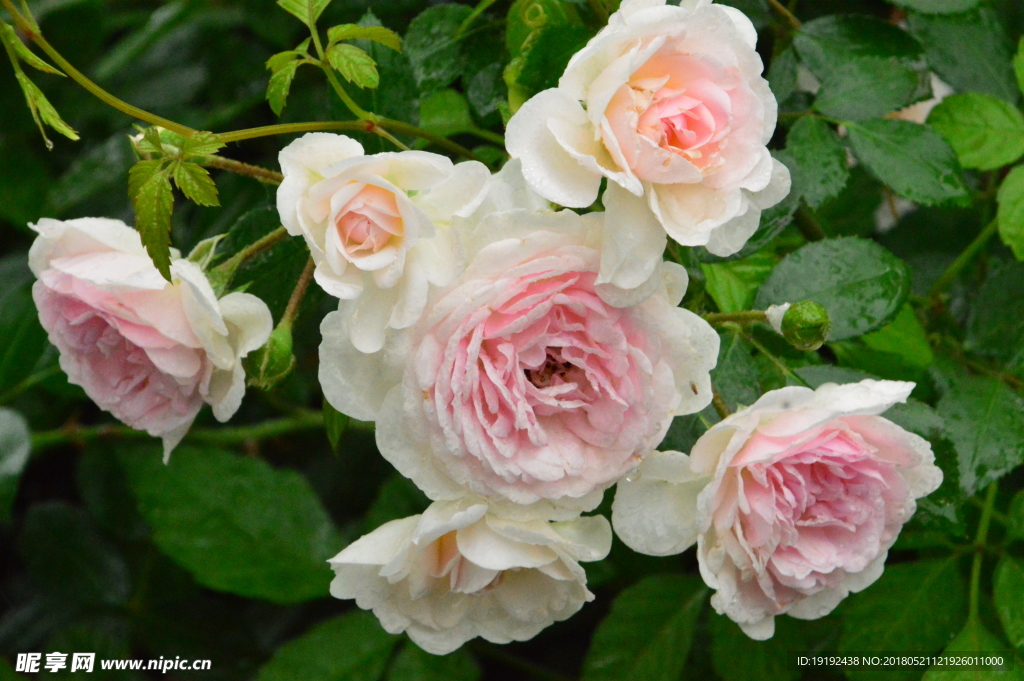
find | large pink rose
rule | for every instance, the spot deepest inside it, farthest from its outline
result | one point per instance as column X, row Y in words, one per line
column 793, row 502
column 525, row 380
column 668, row 103
column 149, row 351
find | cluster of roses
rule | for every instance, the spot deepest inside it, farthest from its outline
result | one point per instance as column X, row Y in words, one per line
column 519, row 361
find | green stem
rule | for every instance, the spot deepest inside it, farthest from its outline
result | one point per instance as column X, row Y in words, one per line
column 32, row 32
column 745, row 317
column 808, row 225
column 488, row 136
column 227, row 268
column 979, row 545
column 290, row 128
column 786, row 14
column 443, row 142
column 477, row 11
column 308, row 420
column 775, row 360
column 263, row 175
column 964, row 259
column 358, row 111
column 600, row 10
column 719, row 404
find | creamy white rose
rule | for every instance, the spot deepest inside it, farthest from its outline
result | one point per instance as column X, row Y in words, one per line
column 459, row 571
column 149, row 351
column 377, row 226
column 793, row 501
column 669, row 104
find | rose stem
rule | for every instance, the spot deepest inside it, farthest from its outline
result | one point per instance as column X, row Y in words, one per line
column 774, row 360
column 717, row 319
column 979, row 547
column 719, row 403
column 264, row 175
column 975, row 247
column 299, row 292
column 305, row 420
column 786, row 14
column 228, row 267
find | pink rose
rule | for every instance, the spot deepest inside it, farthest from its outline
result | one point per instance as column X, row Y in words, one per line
column 525, row 380
column 149, row 351
column 668, row 103
column 793, row 502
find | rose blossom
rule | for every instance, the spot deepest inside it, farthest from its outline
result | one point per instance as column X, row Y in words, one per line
column 669, row 104
column 376, row 226
column 149, row 351
column 525, row 380
column 793, row 502
column 459, row 571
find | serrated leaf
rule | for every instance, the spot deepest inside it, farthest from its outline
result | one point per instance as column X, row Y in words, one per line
column 141, row 173
column 282, row 59
column 648, row 633
column 279, row 86
column 42, row 111
column 860, row 284
column 827, row 44
column 195, row 183
column 921, row 623
column 866, row 88
column 350, row 647
column 821, row 171
column 200, row 144
column 154, row 202
column 237, row 524
column 735, row 374
column 986, row 132
column 985, row 420
column 306, row 11
column 1011, row 212
column 355, row 65
column 914, row 160
column 995, row 327
column 1008, row 594
column 377, row 34
column 26, row 55
column 436, row 57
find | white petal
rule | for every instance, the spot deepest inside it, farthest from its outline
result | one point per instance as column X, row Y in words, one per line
column 634, row 240
column 248, row 320
column 381, row 546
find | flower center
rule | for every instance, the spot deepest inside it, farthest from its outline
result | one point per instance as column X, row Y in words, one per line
column 552, row 372
column 369, row 221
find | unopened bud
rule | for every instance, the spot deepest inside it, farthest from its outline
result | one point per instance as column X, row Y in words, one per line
column 269, row 365
column 806, row 325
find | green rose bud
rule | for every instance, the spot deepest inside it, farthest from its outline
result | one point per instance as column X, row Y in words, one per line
column 269, row 365
column 806, row 325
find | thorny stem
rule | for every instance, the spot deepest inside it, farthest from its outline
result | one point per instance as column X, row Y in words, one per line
column 717, row 319
column 306, row 420
column 298, row 293
column 264, row 175
column 964, row 259
column 979, row 545
column 786, row 14
column 720, row 406
column 28, row 27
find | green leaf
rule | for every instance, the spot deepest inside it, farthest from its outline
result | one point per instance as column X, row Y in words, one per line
column 995, row 327
column 821, row 171
column 912, row 159
column 335, row 423
column 816, row 376
column 1011, row 212
column 397, row 498
column 377, row 34
column 921, row 622
column 66, row 556
column 306, row 11
column 1018, row 64
column 974, row 638
column 42, row 111
column 986, row 132
column 1016, row 516
column 280, row 85
column 103, row 488
column 734, row 376
column 350, row 647
column 15, row 446
column 1008, row 595
column 413, row 664
column 545, row 56
column 196, row 184
column 22, row 338
column 26, row 55
column 282, row 59
column 898, row 351
column 860, row 284
column 355, row 65
column 436, row 56
column 828, row 44
column 685, row 431
column 200, row 144
column 852, row 211
column 734, row 283
column 985, row 420
column 737, row 657
column 782, row 74
column 969, row 51
column 153, row 202
column 649, row 631
column 141, row 173
column 937, row 6
column 446, row 112
column 867, row 88
column 235, row 523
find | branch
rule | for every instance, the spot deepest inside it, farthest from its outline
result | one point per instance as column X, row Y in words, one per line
column 718, row 319
column 264, row 175
column 964, row 259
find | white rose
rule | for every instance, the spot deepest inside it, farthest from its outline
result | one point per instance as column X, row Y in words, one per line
column 149, row 351
column 669, row 104
column 458, row 571
column 377, row 226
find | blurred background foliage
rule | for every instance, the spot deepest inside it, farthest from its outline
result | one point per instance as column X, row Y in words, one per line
column 220, row 556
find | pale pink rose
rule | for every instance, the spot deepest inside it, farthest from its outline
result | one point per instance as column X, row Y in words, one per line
column 793, row 501
column 149, row 351
column 525, row 380
column 459, row 571
column 668, row 103
column 378, row 227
